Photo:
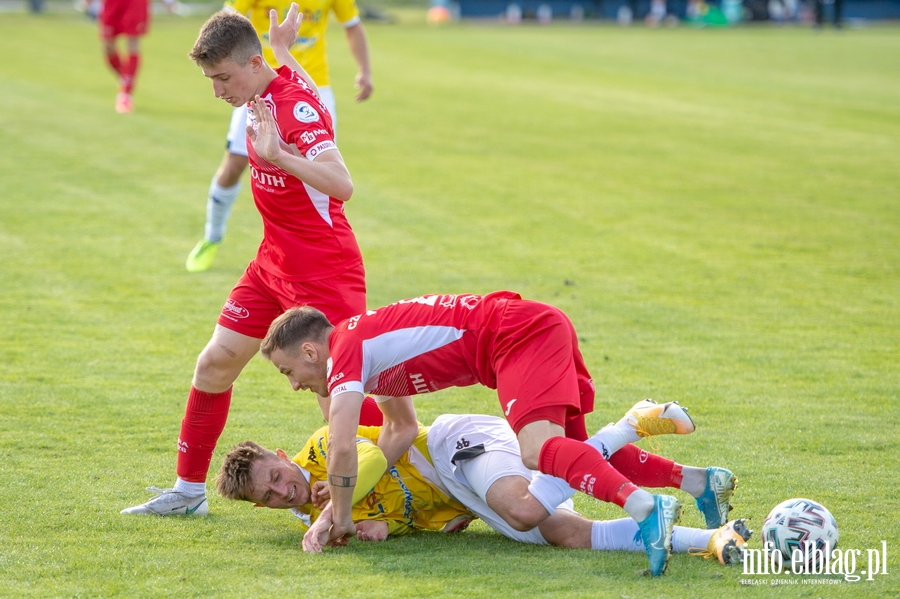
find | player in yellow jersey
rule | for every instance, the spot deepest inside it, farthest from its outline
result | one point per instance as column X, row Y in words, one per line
column 310, row 51
column 402, row 496
column 452, row 472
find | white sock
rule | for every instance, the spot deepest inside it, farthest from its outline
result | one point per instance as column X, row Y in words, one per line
column 616, row 535
column 693, row 480
column 624, row 535
column 684, row 538
column 218, row 209
column 190, row 489
column 639, row 505
column 550, row 491
column 613, row 437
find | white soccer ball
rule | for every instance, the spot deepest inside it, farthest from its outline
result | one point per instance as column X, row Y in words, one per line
column 800, row 524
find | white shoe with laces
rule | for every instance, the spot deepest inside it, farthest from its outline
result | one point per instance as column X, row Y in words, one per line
column 169, row 502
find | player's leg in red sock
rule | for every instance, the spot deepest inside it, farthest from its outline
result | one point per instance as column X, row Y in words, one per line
column 129, row 72
column 584, row 469
column 646, row 469
column 203, row 423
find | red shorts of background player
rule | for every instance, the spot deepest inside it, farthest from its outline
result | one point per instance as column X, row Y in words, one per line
column 540, row 372
column 259, row 298
column 124, row 17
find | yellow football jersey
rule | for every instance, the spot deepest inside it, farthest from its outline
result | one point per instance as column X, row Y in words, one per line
column 402, row 496
column 310, row 47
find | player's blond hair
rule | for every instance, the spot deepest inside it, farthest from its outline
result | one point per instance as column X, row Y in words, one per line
column 226, row 36
column 235, row 475
column 294, row 327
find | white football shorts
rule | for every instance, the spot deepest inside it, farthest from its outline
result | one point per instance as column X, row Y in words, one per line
column 495, row 454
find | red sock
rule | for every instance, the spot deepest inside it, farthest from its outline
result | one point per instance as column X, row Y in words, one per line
column 129, row 72
column 204, row 420
column 584, row 468
column 115, row 62
column 370, row 414
column 646, row 469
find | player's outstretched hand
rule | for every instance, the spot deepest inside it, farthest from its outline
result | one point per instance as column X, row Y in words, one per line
column 317, row 535
column 325, row 531
column 265, row 137
column 285, row 34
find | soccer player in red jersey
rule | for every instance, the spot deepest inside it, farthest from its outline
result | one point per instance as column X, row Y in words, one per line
column 308, row 254
column 131, row 19
column 527, row 351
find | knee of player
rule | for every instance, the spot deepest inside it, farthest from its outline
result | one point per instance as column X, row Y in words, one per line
column 526, row 514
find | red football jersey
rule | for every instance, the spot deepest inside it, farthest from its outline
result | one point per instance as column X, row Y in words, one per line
column 417, row 346
column 306, row 235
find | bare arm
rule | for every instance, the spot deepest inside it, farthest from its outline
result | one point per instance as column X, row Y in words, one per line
column 400, row 427
column 359, row 48
column 283, row 36
column 326, row 173
column 343, row 466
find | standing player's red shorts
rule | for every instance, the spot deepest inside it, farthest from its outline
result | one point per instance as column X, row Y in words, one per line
column 259, row 297
column 124, row 17
column 540, row 372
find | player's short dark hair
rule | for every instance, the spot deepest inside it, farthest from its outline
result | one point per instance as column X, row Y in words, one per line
column 294, row 327
column 233, row 480
column 226, row 36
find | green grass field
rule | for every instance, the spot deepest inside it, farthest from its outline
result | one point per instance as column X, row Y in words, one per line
column 717, row 210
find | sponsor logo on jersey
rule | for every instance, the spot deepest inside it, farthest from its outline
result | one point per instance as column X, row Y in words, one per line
column 335, row 378
column 427, row 300
column 338, row 390
column 266, row 179
column 305, row 113
column 234, row 310
column 312, row 456
column 319, row 148
column 469, row 301
column 418, row 383
column 462, row 443
column 310, row 136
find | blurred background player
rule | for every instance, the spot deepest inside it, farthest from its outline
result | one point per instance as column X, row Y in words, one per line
column 129, row 19
column 310, row 51
column 308, row 255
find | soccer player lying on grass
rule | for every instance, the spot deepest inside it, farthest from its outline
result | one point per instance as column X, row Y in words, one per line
column 527, row 351
column 459, row 468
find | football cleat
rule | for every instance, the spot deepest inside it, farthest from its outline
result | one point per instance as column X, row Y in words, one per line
column 202, row 256
column 720, row 485
column 651, row 418
column 656, row 532
column 726, row 543
column 124, row 103
column 169, row 502
column 458, row 524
